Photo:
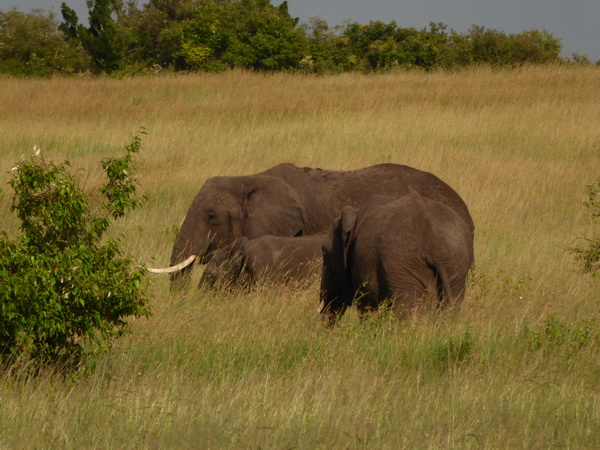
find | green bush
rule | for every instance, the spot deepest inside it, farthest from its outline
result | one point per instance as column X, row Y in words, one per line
column 215, row 35
column 589, row 254
column 558, row 337
column 31, row 45
column 495, row 48
column 66, row 289
column 452, row 350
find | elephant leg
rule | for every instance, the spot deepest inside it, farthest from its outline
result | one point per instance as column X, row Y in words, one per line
column 409, row 301
column 331, row 314
column 451, row 290
column 367, row 302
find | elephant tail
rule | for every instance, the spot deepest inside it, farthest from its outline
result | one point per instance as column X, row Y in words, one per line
column 444, row 287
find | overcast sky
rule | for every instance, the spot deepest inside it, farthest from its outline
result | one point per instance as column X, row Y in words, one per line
column 575, row 22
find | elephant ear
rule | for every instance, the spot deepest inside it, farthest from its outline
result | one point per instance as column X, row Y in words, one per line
column 343, row 231
column 271, row 206
column 347, row 224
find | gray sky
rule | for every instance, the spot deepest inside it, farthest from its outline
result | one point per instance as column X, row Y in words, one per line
column 575, row 22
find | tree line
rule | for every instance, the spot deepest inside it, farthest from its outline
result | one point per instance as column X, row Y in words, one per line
column 216, row 35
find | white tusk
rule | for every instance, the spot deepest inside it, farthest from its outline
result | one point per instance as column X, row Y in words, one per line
column 175, row 268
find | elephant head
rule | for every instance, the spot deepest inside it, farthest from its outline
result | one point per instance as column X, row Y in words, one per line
column 227, row 265
column 229, row 207
column 336, row 283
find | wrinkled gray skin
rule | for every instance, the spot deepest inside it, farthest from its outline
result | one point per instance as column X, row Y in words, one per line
column 280, row 258
column 286, row 200
column 401, row 250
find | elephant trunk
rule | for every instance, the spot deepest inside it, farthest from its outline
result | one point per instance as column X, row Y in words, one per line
column 193, row 239
column 193, row 243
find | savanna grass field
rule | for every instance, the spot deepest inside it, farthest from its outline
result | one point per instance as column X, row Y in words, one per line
column 517, row 366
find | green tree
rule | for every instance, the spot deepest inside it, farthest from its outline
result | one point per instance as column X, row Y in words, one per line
column 494, row 47
column 324, row 52
column 254, row 34
column 144, row 31
column 379, row 46
column 65, row 289
column 263, row 37
column 198, row 40
column 428, row 48
column 102, row 39
column 220, row 34
column 31, row 45
column 534, row 47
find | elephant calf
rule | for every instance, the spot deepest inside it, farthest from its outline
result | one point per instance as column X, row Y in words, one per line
column 398, row 249
column 275, row 257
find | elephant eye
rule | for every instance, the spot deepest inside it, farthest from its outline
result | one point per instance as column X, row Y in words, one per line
column 211, row 216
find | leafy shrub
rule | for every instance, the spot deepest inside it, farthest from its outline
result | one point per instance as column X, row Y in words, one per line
column 452, row 350
column 65, row 289
column 589, row 255
column 494, row 47
column 556, row 336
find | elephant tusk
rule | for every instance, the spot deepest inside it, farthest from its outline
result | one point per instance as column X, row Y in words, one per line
column 175, row 268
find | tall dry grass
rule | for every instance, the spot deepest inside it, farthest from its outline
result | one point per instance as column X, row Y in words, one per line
column 517, row 366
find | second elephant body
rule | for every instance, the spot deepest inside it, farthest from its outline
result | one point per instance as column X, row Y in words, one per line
column 400, row 249
column 267, row 257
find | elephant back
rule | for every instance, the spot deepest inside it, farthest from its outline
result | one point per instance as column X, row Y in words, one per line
column 324, row 193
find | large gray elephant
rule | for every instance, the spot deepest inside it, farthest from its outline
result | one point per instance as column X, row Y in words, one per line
column 403, row 250
column 277, row 258
column 286, row 200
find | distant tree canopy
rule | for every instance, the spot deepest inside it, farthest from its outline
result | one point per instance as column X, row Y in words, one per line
column 214, row 35
column 32, row 45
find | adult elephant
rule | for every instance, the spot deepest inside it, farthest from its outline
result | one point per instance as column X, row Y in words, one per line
column 403, row 249
column 286, row 200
